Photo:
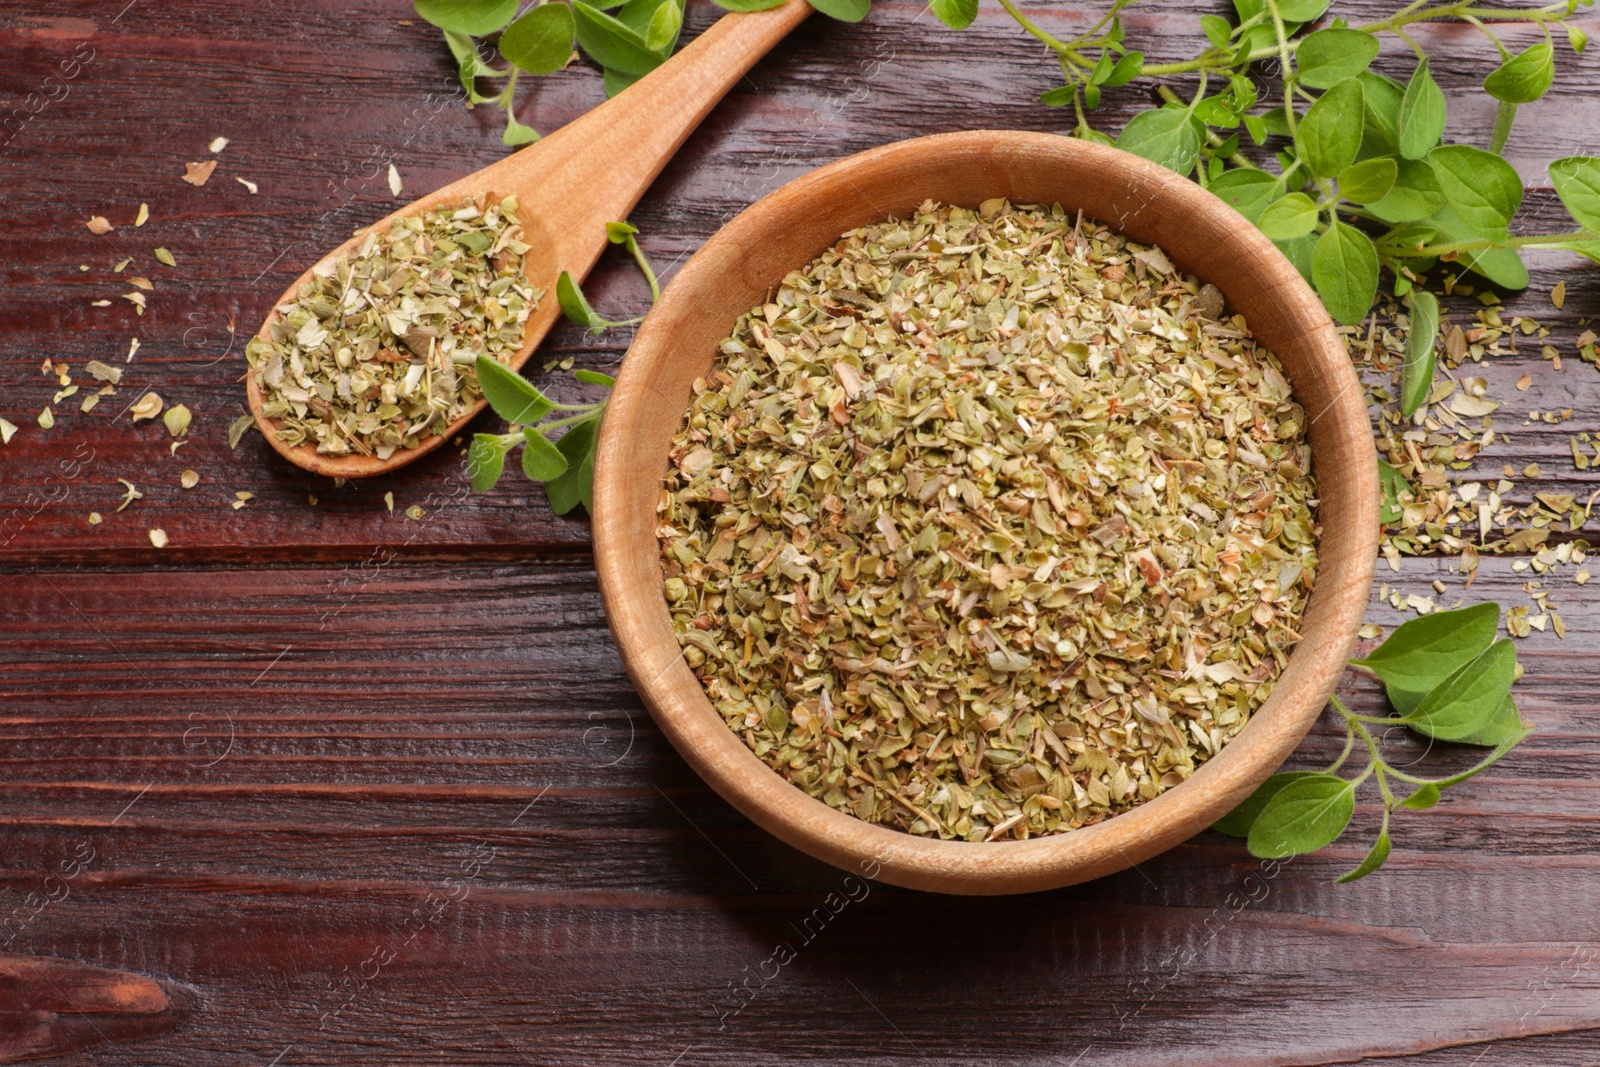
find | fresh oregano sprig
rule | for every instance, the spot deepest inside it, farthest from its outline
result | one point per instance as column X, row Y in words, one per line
column 1363, row 182
column 1447, row 679
column 627, row 38
column 576, row 307
column 565, row 465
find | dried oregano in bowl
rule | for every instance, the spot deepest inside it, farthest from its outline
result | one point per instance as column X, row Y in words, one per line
column 379, row 348
column 989, row 524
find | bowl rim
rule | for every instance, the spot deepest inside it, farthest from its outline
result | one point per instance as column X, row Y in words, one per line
column 626, row 551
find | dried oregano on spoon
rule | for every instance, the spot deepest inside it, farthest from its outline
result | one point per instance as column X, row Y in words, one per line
column 380, row 348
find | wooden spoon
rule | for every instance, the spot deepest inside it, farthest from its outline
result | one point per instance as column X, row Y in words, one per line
column 570, row 184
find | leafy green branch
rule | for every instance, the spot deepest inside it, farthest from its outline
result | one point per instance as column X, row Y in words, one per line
column 1447, row 679
column 1364, row 180
column 566, row 464
column 626, row 38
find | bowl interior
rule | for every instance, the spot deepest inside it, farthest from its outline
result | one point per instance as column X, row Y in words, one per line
column 735, row 270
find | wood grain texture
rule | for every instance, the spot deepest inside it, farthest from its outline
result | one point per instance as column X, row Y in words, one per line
column 337, row 92
column 53, row 1007
column 248, row 816
column 210, row 735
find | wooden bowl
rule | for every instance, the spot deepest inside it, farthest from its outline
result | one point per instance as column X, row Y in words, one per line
column 785, row 230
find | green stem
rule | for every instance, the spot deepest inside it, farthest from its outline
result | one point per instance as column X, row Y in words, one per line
column 1055, row 44
column 1383, row 787
column 1084, row 37
column 1503, row 118
column 1349, row 747
column 587, row 411
column 649, row 275
column 1504, row 55
column 1419, row 12
column 1287, row 73
column 1479, row 244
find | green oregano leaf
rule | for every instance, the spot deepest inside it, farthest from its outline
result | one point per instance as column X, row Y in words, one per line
column 1524, row 77
column 615, row 81
column 1247, row 191
column 1416, row 374
column 957, row 14
column 541, row 460
column 1576, row 37
column 576, row 484
column 1299, row 251
column 1391, row 483
column 516, row 133
column 540, row 42
column 1577, row 183
column 1329, row 136
column 1217, row 29
column 1328, row 57
column 1368, row 181
column 1467, row 700
column 1503, row 266
column 843, row 10
column 1380, row 131
column 1422, row 114
column 1424, row 798
column 1482, row 187
column 612, row 43
column 471, row 17
column 1374, row 860
column 1415, row 194
column 1505, row 725
column 665, row 24
column 1302, row 10
column 1303, row 816
column 1423, row 652
column 593, row 377
column 1166, row 136
column 1344, row 270
column 575, row 306
column 1293, row 215
column 1125, row 69
column 486, row 458
column 512, row 396
column 1237, row 822
column 470, row 65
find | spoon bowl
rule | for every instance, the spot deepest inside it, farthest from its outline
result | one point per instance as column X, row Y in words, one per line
column 737, row 268
column 569, row 185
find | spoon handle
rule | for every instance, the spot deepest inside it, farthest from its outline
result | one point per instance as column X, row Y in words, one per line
column 609, row 156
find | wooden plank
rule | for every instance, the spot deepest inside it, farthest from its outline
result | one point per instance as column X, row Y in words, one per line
column 334, row 95
column 219, row 750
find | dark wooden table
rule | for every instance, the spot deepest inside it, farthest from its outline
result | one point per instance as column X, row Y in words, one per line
column 322, row 783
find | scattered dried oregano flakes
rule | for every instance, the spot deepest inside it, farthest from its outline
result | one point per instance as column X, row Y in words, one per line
column 7, row 430
column 379, row 349
column 198, row 174
column 238, row 428
column 985, row 528
column 103, row 372
column 177, row 420
column 147, row 406
column 99, row 224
